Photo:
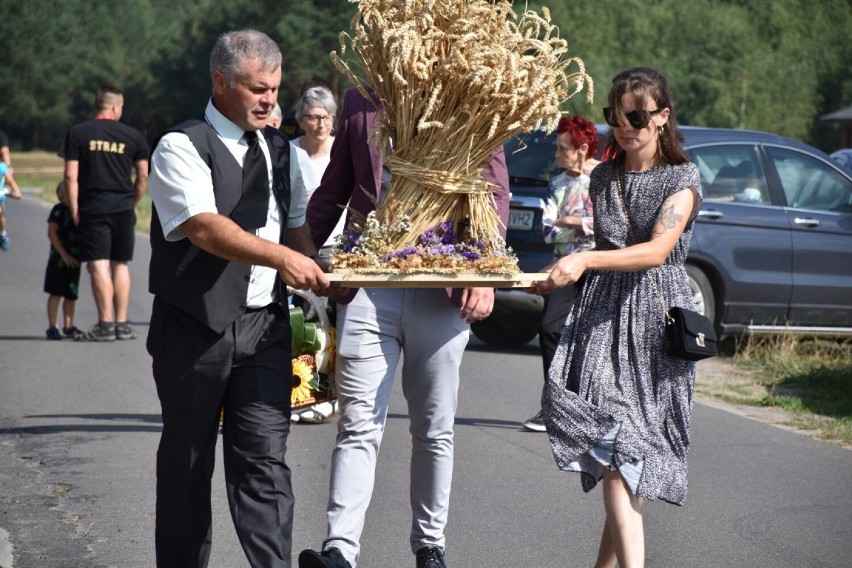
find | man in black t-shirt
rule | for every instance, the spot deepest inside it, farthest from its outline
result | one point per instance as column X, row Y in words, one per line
column 100, row 156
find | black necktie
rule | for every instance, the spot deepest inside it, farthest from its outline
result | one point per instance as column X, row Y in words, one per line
column 250, row 213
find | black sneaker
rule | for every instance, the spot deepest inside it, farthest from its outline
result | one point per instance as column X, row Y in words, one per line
column 53, row 333
column 72, row 331
column 430, row 557
column 536, row 423
column 331, row 558
column 124, row 330
column 97, row 333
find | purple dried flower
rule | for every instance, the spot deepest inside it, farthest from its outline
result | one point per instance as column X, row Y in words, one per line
column 429, row 237
column 446, row 228
column 400, row 254
column 351, row 241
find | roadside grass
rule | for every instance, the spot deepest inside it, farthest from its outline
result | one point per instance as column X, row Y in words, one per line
column 40, row 170
column 43, row 171
column 45, row 183
column 809, row 377
column 36, row 159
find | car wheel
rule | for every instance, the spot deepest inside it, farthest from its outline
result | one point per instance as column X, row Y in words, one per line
column 702, row 292
column 496, row 334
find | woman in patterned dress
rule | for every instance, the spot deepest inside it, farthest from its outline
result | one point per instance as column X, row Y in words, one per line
column 616, row 406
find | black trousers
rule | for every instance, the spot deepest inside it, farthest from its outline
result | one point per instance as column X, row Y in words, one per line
column 247, row 370
column 557, row 304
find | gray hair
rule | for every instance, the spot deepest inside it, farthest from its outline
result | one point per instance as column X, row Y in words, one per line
column 232, row 49
column 316, row 97
column 276, row 113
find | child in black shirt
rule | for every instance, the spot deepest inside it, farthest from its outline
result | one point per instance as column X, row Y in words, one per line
column 62, row 277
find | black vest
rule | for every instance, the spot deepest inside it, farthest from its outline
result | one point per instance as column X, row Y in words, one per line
column 209, row 288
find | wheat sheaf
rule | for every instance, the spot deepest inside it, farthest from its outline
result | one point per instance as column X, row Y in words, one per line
column 454, row 80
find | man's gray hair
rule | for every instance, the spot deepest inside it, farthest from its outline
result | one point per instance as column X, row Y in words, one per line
column 232, row 49
column 316, row 97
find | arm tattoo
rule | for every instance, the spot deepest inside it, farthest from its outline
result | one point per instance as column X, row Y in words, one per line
column 667, row 219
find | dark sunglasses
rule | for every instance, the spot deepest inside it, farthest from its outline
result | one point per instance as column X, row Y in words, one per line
column 638, row 119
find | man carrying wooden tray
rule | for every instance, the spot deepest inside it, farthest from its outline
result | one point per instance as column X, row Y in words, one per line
column 374, row 327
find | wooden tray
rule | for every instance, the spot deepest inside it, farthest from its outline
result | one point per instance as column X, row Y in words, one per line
column 426, row 280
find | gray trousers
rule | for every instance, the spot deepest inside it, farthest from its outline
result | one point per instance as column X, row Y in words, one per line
column 373, row 331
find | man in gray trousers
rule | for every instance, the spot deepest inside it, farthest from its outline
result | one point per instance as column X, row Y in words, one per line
column 374, row 327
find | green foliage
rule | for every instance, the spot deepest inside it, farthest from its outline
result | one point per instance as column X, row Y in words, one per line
column 308, row 32
column 32, row 91
column 774, row 65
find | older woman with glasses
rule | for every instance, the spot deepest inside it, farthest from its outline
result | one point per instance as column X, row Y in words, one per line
column 315, row 113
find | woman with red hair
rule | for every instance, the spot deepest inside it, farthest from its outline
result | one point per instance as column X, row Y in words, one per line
column 567, row 224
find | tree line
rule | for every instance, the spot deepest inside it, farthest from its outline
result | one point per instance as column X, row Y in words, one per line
column 773, row 65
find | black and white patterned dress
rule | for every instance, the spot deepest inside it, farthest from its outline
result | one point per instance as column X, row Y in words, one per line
column 614, row 399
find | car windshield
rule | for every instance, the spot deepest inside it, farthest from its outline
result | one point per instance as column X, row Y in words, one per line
column 531, row 156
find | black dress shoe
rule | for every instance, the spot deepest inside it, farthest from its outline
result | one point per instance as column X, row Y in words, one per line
column 430, row 557
column 331, row 558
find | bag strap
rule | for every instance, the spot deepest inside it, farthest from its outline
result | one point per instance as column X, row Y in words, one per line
column 618, row 175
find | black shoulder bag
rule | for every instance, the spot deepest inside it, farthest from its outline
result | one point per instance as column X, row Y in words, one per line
column 689, row 335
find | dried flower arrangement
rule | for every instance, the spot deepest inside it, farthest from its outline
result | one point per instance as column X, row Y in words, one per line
column 454, row 79
column 366, row 247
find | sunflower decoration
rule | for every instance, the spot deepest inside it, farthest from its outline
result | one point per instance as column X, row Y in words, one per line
column 312, row 344
column 304, row 380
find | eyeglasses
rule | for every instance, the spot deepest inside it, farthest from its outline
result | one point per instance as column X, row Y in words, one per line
column 317, row 118
column 638, row 119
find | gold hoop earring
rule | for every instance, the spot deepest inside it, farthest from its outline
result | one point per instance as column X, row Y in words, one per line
column 661, row 130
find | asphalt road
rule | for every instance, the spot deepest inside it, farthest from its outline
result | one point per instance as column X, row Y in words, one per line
column 79, row 426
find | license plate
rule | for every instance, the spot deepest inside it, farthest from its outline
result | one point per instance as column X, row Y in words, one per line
column 521, row 219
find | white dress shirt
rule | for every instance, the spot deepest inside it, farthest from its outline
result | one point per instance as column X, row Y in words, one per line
column 181, row 186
